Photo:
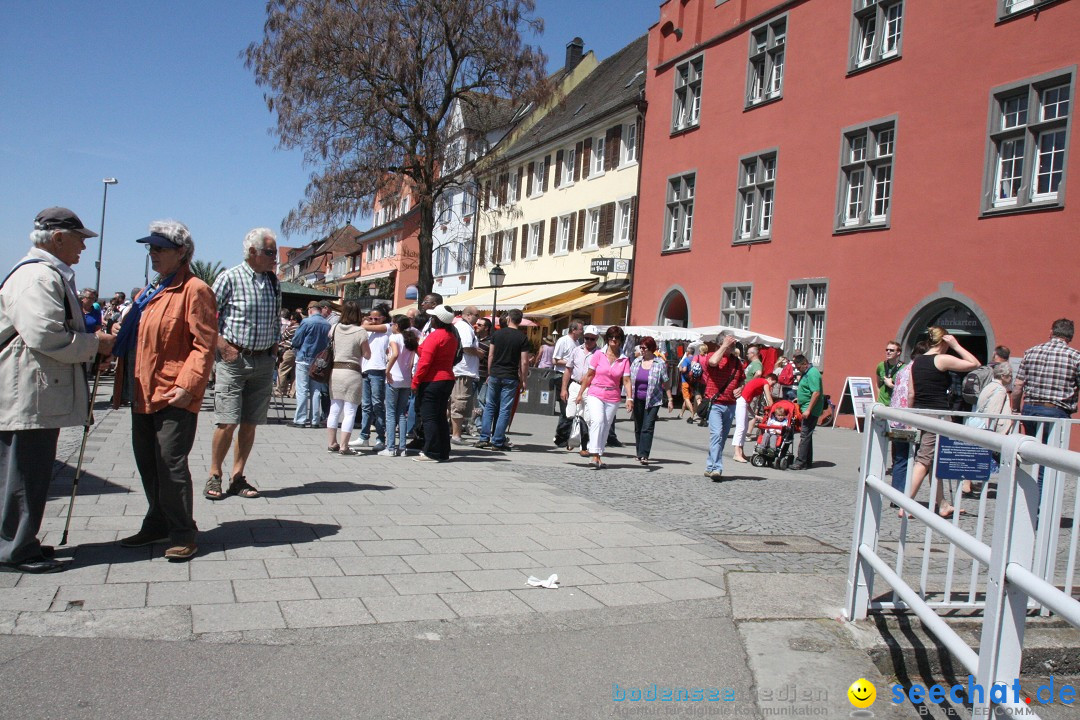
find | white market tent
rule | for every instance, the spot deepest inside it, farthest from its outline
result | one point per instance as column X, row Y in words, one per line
column 709, row 333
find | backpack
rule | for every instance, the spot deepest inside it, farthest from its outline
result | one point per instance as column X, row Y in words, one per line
column 696, row 371
column 787, row 374
column 974, row 382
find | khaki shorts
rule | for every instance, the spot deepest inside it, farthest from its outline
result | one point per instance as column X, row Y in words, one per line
column 242, row 389
column 462, row 398
column 924, row 455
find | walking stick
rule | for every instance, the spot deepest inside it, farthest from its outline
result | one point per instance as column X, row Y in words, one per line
column 82, row 449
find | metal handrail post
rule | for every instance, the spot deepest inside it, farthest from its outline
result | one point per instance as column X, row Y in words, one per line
column 1001, row 644
column 867, row 520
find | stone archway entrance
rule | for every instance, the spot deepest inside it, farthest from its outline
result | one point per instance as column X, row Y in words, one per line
column 674, row 309
column 966, row 323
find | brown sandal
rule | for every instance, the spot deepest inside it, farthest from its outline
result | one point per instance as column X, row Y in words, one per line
column 240, row 486
column 212, row 491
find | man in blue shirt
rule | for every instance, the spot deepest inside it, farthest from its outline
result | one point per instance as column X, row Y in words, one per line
column 311, row 338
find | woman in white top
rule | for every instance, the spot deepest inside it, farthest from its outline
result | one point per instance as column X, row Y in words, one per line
column 350, row 349
column 373, row 408
column 400, row 357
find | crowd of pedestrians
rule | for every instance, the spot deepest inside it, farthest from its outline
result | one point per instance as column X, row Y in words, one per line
column 416, row 381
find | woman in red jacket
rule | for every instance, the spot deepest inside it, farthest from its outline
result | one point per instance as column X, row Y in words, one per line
column 433, row 381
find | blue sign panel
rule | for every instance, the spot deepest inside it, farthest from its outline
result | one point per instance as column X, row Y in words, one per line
column 958, row 460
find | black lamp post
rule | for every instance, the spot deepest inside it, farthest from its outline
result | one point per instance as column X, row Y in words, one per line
column 496, row 277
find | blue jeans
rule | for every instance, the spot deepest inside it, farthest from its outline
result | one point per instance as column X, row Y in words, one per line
column 1040, row 431
column 309, row 396
column 900, row 452
column 500, row 402
column 720, row 419
column 397, row 416
column 373, row 405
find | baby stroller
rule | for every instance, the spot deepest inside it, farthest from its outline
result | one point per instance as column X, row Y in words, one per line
column 780, row 456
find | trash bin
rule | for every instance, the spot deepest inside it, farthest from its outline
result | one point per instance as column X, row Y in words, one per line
column 542, row 389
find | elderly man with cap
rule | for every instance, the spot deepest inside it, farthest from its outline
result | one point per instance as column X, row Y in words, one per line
column 43, row 348
column 248, row 302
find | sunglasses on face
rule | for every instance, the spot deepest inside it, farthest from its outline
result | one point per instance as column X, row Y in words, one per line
column 891, row 350
column 269, row 252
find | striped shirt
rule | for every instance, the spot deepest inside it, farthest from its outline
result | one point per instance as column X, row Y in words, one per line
column 248, row 307
column 1050, row 373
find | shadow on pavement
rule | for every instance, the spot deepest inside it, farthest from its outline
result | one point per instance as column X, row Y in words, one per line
column 321, row 486
column 89, row 484
column 228, row 535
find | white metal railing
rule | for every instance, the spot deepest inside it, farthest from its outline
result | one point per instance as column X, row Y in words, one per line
column 1051, row 551
column 1016, row 564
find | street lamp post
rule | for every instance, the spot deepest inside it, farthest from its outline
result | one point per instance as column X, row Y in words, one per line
column 496, row 277
column 101, row 236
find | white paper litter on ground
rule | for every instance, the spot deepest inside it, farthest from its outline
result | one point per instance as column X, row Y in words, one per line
column 552, row 583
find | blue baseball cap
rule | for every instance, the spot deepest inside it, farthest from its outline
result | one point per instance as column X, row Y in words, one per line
column 159, row 240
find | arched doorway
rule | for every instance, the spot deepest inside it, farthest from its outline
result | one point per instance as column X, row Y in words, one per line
column 960, row 317
column 675, row 310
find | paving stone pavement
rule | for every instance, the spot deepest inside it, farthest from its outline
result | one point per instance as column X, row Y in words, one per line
column 348, row 541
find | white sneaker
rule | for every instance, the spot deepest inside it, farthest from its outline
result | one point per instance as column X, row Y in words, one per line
column 388, row 452
column 457, row 441
column 357, row 443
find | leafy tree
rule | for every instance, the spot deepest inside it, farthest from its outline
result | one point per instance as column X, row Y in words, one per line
column 205, row 271
column 365, row 88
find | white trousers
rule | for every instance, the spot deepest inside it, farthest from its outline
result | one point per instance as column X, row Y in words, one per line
column 345, row 411
column 741, row 412
column 599, row 415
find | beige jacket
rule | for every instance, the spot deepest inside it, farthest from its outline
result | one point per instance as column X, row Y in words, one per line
column 42, row 376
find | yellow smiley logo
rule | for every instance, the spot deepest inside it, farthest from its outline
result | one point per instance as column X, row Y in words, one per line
column 862, row 694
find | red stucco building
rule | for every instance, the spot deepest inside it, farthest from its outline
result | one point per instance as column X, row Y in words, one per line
column 841, row 173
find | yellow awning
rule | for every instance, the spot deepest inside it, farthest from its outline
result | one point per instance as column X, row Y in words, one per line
column 576, row 303
column 520, row 297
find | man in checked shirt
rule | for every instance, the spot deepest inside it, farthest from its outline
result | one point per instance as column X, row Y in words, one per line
column 249, row 300
column 1046, row 383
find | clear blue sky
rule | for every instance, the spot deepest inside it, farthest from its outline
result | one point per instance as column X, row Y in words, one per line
column 156, row 95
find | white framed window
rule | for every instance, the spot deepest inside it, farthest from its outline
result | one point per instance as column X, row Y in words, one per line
column 623, row 222
column 489, row 248
column 562, row 237
column 597, row 156
column 1010, row 8
column 680, row 212
column 468, row 202
column 876, row 32
column 756, row 196
column 371, row 252
column 391, row 246
column 807, row 304
column 1028, row 139
column 592, row 229
column 569, row 158
column 506, row 250
column 535, row 238
column 735, row 305
column 512, row 188
column 866, row 175
column 686, row 107
column 629, row 143
column 538, row 177
column 442, row 260
column 765, row 75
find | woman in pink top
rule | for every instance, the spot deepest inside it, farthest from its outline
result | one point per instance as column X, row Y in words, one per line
column 609, row 371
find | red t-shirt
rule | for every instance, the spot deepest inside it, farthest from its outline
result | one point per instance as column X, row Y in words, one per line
column 754, row 388
column 723, row 379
